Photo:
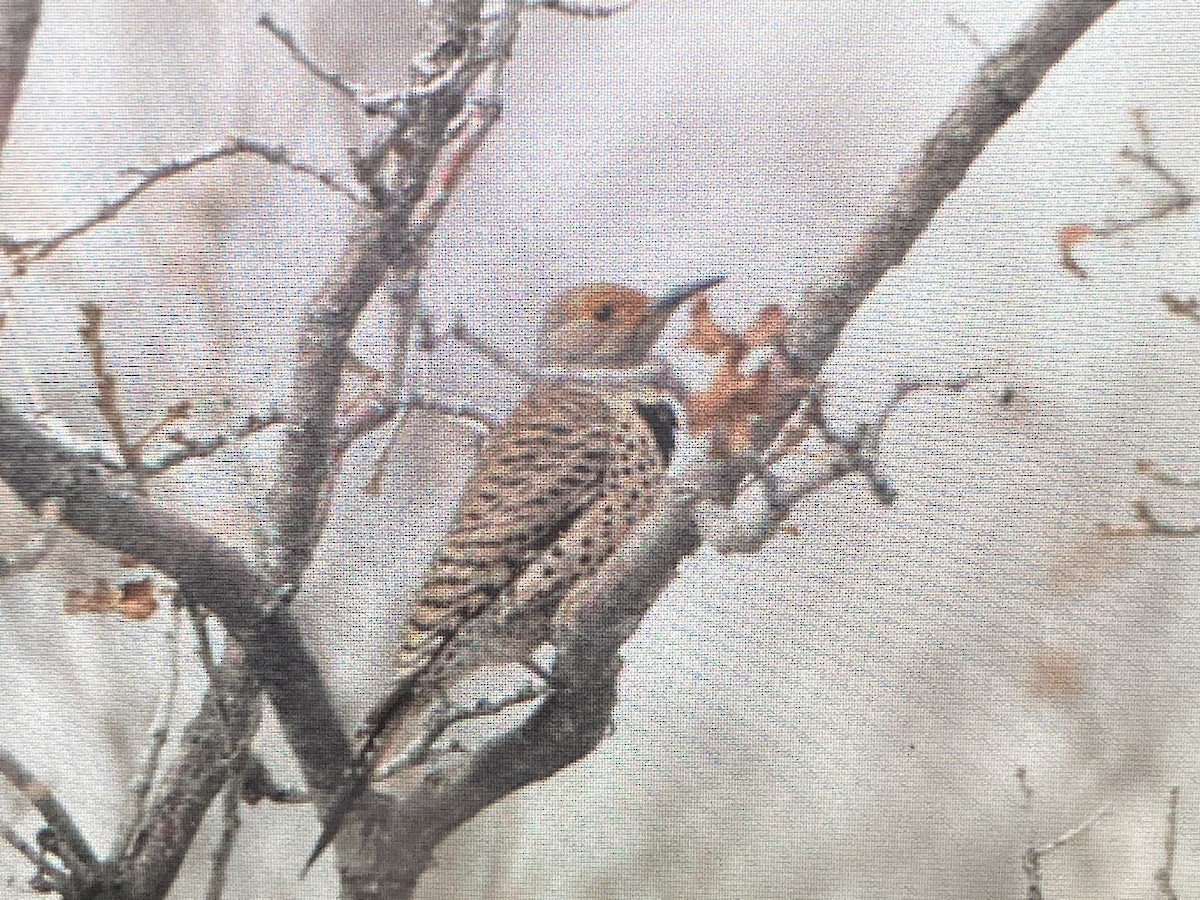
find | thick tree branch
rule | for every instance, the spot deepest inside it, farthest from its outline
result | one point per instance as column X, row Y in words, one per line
column 388, row 843
column 18, row 23
column 410, row 179
column 71, row 846
column 1004, row 82
column 593, row 626
column 211, row 574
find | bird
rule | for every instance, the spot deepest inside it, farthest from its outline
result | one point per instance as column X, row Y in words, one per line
column 556, row 488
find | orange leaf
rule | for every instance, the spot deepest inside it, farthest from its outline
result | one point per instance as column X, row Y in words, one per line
column 1076, row 233
column 728, row 406
column 705, row 334
column 139, row 600
column 1068, row 237
column 770, row 325
column 100, row 599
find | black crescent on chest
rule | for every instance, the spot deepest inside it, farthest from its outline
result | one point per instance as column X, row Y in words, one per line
column 662, row 421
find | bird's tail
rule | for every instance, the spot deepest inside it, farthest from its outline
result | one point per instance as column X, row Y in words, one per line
column 403, row 694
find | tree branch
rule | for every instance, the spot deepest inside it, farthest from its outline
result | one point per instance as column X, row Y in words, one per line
column 593, row 625
column 1004, row 82
column 18, row 23
column 27, row 250
column 211, row 574
column 387, row 844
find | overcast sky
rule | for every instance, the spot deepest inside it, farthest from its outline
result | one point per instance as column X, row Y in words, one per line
column 842, row 715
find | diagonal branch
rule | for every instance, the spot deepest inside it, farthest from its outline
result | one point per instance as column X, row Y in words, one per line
column 1004, row 82
column 27, row 250
column 592, row 626
column 71, row 846
column 18, row 23
column 272, row 651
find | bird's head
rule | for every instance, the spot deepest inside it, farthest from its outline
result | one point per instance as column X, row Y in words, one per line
column 604, row 325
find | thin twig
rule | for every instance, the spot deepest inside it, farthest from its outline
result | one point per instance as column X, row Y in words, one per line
column 462, row 412
column 187, row 447
column 47, row 876
column 240, row 760
column 444, row 715
column 963, row 27
column 175, row 414
column 230, row 824
column 21, row 845
column 1178, row 306
column 24, row 251
column 160, row 728
column 1179, row 200
column 1034, row 855
column 108, row 401
column 347, row 88
column 586, row 9
column 745, row 527
column 1148, row 524
column 1078, row 831
column 1163, row 875
column 205, row 652
column 69, row 843
column 1153, row 470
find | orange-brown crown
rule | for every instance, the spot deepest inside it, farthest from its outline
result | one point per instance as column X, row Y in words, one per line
column 603, row 325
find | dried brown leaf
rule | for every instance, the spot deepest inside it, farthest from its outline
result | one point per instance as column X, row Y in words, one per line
column 1069, row 237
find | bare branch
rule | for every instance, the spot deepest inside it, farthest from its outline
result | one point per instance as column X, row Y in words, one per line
column 148, row 858
column 230, row 824
column 240, row 760
column 372, row 416
column 1164, row 874
column 22, row 846
column 187, row 447
column 1005, row 81
column 963, row 27
column 1152, row 469
column 108, row 402
column 1178, row 306
column 205, row 652
column 447, row 714
column 67, row 842
column 751, row 522
column 386, row 243
column 18, row 23
column 47, row 877
column 1148, row 524
column 160, row 728
column 340, row 84
column 219, row 578
column 1178, row 200
column 587, row 9
column 1035, row 855
column 25, row 251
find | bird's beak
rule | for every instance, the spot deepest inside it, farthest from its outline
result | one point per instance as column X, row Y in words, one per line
column 673, row 298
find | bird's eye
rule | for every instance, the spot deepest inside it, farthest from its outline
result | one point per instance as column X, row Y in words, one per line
column 603, row 313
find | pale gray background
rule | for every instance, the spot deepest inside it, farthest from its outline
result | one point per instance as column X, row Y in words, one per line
column 840, row 716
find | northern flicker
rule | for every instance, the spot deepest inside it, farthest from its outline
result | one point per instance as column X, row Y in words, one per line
column 556, row 489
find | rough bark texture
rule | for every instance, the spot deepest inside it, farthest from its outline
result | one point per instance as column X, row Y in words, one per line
column 388, row 843
column 18, row 22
